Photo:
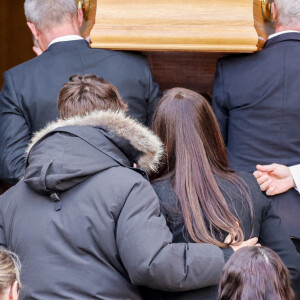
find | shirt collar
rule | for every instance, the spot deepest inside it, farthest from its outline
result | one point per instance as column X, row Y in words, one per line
column 66, row 38
column 281, row 32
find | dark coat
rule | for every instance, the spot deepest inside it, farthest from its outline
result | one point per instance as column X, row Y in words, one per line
column 28, row 100
column 256, row 102
column 267, row 227
column 88, row 226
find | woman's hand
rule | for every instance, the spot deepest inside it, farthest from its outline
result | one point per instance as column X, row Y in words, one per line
column 247, row 243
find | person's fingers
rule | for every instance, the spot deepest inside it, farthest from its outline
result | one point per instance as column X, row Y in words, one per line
column 265, row 186
column 266, row 168
column 257, row 174
column 257, row 245
column 228, row 239
column 250, row 242
column 262, row 179
column 271, row 190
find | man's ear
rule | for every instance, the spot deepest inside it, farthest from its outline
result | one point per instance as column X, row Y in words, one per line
column 79, row 17
column 14, row 293
column 33, row 30
column 274, row 11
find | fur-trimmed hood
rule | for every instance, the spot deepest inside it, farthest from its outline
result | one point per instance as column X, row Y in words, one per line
column 70, row 150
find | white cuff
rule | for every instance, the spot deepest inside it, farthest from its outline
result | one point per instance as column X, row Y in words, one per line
column 295, row 170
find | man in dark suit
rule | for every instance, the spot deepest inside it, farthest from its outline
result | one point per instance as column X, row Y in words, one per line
column 257, row 103
column 28, row 97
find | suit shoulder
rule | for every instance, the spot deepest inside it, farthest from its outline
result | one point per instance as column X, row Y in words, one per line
column 124, row 56
column 235, row 60
column 27, row 65
column 128, row 54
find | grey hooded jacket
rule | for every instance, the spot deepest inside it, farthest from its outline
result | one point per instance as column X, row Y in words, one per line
column 88, row 226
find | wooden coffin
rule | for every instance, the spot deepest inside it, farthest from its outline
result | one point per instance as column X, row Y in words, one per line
column 189, row 25
column 181, row 39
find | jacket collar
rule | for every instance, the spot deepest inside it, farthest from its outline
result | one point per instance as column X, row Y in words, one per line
column 290, row 36
column 115, row 124
column 67, row 45
column 66, row 38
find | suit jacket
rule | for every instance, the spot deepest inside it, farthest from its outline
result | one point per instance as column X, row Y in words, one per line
column 28, row 100
column 266, row 226
column 256, row 101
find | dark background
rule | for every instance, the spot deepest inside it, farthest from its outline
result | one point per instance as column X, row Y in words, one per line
column 15, row 37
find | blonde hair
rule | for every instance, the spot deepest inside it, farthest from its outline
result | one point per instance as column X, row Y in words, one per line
column 10, row 267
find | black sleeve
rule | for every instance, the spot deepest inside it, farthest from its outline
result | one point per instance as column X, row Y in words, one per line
column 153, row 98
column 14, row 134
column 219, row 102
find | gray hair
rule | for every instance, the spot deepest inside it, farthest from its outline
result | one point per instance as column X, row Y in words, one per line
column 48, row 13
column 288, row 13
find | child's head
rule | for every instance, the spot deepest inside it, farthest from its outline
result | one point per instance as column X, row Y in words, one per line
column 9, row 275
column 254, row 273
column 84, row 94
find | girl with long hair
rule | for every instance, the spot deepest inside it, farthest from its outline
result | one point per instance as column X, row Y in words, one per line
column 255, row 273
column 201, row 198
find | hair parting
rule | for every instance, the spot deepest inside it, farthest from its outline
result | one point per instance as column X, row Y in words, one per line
column 255, row 273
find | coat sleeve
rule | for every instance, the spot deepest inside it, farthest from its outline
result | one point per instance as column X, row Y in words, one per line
column 153, row 98
column 273, row 236
column 219, row 102
column 14, row 134
column 146, row 250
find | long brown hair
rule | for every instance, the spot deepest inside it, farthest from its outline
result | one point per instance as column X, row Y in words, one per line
column 254, row 273
column 195, row 155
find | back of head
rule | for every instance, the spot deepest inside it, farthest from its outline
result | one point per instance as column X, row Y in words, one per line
column 49, row 13
column 182, row 115
column 195, row 155
column 84, row 94
column 288, row 13
column 255, row 273
column 9, row 270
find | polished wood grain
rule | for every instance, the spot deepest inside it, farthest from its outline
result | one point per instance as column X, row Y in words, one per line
column 184, row 69
column 189, row 25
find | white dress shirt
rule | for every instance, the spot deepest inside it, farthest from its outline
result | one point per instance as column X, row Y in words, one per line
column 295, row 170
column 281, row 32
column 66, row 38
